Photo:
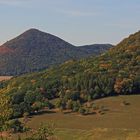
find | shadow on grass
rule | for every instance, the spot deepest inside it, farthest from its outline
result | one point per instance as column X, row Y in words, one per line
column 42, row 112
column 68, row 112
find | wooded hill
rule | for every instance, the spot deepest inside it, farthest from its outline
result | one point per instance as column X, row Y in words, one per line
column 77, row 82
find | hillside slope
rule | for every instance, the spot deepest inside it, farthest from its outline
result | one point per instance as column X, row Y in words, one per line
column 35, row 50
column 75, row 83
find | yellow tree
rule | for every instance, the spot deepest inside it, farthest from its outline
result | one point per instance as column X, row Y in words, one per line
column 5, row 109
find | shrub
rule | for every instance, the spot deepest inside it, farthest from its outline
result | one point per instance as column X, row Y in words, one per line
column 14, row 126
column 87, row 111
column 95, row 107
column 43, row 133
column 82, row 111
column 76, row 106
column 48, row 105
column 69, row 104
column 37, row 106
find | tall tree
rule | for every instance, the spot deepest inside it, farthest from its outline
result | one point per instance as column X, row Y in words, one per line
column 5, row 109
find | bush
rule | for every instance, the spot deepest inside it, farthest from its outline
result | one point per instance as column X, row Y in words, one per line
column 75, row 109
column 69, row 104
column 87, row 111
column 37, row 106
column 43, row 133
column 95, row 107
column 76, row 106
column 48, row 105
column 14, row 126
column 17, row 111
column 82, row 111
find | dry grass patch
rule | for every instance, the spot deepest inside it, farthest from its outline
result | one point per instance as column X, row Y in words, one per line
column 3, row 78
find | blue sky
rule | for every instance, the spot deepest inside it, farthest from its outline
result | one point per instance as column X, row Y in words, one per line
column 79, row 22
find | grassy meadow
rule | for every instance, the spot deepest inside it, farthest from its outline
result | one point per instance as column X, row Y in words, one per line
column 119, row 122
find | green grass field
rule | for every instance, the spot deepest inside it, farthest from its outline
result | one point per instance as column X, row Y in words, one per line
column 119, row 122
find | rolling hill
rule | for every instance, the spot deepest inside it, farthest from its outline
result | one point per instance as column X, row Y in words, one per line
column 35, row 50
column 75, row 83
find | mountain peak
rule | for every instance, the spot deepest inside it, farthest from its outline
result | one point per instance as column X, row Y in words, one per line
column 32, row 30
column 34, row 50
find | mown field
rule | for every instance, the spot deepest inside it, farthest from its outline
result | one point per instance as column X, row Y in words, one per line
column 119, row 121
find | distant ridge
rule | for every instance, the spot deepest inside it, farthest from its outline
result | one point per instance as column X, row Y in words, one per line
column 35, row 50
